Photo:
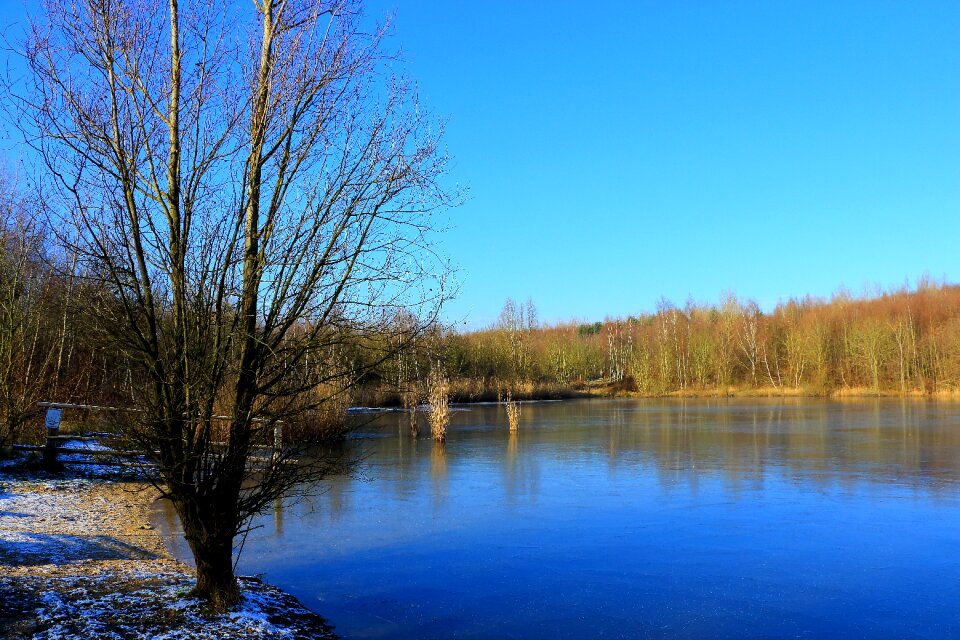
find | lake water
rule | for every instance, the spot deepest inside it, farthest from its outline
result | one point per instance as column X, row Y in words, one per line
column 637, row 519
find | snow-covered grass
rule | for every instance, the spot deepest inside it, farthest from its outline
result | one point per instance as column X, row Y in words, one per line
column 153, row 606
column 80, row 560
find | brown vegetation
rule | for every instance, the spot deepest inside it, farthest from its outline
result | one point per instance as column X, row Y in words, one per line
column 513, row 413
column 905, row 341
column 438, row 393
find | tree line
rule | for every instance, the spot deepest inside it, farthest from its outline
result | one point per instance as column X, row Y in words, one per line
column 903, row 341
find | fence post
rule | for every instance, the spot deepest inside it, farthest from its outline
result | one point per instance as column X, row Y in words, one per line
column 52, row 422
column 277, row 441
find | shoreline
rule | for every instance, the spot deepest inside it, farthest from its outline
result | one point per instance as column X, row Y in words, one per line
column 852, row 393
column 80, row 558
column 468, row 391
column 788, row 392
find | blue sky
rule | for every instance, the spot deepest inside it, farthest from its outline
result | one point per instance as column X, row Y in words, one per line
column 616, row 152
column 620, row 151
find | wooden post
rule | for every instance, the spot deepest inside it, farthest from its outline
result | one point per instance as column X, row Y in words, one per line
column 277, row 441
column 52, row 422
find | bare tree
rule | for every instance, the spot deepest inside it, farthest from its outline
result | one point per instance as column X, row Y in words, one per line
column 28, row 340
column 748, row 336
column 905, row 337
column 255, row 188
column 513, row 320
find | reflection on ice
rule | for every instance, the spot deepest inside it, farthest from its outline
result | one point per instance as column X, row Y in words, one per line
column 726, row 518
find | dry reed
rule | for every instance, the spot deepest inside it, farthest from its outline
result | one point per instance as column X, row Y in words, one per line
column 438, row 394
column 411, row 399
column 513, row 412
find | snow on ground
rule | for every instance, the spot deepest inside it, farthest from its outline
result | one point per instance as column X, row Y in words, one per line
column 149, row 605
column 80, row 560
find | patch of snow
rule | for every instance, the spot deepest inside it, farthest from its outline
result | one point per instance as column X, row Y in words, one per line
column 74, row 564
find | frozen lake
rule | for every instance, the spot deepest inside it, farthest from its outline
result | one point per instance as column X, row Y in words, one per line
column 637, row 518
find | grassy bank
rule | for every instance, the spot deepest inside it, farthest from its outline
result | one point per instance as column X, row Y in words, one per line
column 607, row 391
column 475, row 390
column 466, row 390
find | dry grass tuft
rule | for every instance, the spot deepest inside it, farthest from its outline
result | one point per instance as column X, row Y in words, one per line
column 325, row 422
column 513, row 413
column 945, row 393
column 411, row 399
column 438, row 393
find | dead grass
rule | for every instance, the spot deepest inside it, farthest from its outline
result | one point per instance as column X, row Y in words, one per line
column 513, row 413
column 326, row 423
column 411, row 401
column 493, row 390
column 793, row 392
column 438, row 393
column 946, row 393
column 869, row 392
column 377, row 395
column 859, row 392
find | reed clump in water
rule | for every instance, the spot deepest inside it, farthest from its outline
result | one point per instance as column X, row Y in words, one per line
column 513, row 413
column 438, row 394
column 411, row 400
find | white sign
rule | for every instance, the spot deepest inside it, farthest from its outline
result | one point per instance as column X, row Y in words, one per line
column 52, row 421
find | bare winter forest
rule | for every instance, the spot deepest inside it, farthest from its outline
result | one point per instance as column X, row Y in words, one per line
column 907, row 341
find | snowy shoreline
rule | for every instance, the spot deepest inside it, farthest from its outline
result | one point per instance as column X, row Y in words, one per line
column 80, row 559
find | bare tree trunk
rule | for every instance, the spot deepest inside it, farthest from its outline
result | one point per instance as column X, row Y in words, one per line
column 211, row 541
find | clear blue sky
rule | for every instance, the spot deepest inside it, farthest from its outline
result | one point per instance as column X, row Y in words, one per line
column 619, row 151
